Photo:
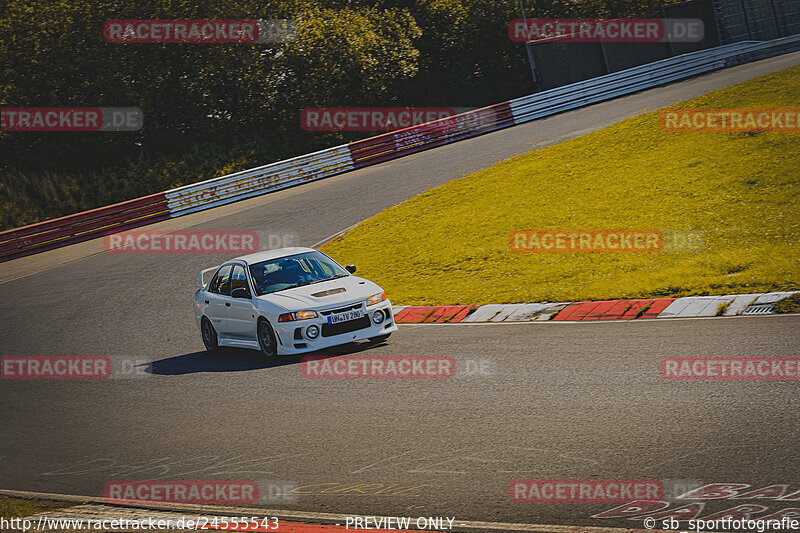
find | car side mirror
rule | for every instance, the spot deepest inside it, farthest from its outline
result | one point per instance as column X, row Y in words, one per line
column 351, row 269
column 240, row 292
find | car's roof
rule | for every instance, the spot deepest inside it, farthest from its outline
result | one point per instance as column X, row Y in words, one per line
column 267, row 255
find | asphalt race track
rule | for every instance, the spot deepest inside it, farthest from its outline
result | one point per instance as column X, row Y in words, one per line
column 563, row 401
column 543, row 400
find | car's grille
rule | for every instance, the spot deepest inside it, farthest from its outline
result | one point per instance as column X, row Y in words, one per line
column 329, row 330
column 342, row 309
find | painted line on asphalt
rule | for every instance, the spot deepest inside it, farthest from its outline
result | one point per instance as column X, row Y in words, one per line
column 337, row 234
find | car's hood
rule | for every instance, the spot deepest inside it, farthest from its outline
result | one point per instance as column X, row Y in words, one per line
column 341, row 291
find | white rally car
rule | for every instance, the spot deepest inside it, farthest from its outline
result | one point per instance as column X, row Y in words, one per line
column 289, row 301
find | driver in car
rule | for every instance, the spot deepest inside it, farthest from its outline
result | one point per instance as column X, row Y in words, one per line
column 289, row 272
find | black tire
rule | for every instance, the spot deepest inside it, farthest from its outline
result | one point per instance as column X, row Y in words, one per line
column 210, row 339
column 266, row 339
column 379, row 339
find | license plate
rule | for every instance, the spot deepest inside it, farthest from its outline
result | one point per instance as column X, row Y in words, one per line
column 346, row 316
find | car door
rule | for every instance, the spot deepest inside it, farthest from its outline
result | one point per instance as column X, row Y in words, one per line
column 216, row 297
column 241, row 312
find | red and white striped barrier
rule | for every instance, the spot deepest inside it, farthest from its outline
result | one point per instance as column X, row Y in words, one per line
column 83, row 226
column 686, row 307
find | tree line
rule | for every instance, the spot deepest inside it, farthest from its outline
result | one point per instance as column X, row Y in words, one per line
column 214, row 108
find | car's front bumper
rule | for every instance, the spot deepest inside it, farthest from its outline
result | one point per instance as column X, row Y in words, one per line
column 293, row 339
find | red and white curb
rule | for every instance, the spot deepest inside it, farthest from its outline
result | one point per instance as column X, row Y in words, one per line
column 686, row 307
column 93, row 511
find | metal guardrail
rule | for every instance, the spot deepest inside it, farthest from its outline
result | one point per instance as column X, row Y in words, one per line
column 253, row 182
column 84, row 226
column 634, row 79
column 219, row 191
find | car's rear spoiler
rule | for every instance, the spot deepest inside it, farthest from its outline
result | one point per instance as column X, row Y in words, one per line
column 201, row 282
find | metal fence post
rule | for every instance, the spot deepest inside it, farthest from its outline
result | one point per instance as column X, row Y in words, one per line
column 528, row 44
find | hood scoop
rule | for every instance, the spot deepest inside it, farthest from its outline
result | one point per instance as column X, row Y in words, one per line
column 337, row 290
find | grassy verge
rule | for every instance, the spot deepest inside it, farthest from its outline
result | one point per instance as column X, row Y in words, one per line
column 19, row 508
column 738, row 192
column 788, row 305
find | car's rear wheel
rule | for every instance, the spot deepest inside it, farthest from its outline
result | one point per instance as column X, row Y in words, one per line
column 266, row 339
column 210, row 339
column 379, row 339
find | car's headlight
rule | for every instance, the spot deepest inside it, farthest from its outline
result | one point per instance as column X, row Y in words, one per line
column 299, row 315
column 376, row 298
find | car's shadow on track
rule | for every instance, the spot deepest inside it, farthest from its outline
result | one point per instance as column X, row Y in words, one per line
column 241, row 360
column 223, row 360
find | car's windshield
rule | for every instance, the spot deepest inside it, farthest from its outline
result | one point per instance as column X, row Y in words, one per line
column 293, row 271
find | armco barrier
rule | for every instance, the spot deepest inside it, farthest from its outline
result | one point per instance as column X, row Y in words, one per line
column 329, row 162
column 268, row 178
column 437, row 133
column 83, row 226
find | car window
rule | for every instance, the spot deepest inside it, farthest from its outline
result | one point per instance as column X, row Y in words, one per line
column 319, row 268
column 238, row 278
column 221, row 284
column 292, row 271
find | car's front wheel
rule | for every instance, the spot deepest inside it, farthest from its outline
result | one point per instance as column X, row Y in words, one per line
column 209, row 335
column 266, row 339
